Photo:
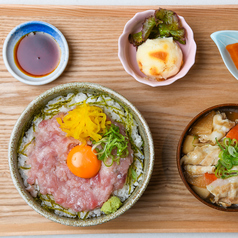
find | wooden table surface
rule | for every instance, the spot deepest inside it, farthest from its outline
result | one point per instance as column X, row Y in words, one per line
column 92, row 34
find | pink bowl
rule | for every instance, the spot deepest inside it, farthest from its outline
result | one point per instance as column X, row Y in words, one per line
column 127, row 52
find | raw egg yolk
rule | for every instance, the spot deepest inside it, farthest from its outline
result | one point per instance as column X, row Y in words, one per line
column 83, row 162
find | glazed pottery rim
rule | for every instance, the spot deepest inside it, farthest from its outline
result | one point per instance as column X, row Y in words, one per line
column 72, row 221
column 41, row 80
column 179, row 152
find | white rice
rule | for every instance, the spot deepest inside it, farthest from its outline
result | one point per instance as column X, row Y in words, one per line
column 113, row 109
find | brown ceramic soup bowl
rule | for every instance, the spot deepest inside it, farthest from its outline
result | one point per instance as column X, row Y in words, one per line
column 221, row 108
column 24, row 122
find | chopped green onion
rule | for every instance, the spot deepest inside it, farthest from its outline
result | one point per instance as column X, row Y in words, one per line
column 219, row 144
column 111, row 140
column 228, row 158
column 133, row 174
column 232, row 151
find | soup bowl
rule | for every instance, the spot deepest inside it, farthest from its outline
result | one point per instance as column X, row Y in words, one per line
column 127, row 52
column 223, row 108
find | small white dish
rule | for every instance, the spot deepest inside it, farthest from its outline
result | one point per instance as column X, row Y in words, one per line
column 222, row 39
column 127, row 52
column 23, row 29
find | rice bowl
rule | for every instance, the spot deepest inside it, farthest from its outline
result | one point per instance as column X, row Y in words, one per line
column 62, row 93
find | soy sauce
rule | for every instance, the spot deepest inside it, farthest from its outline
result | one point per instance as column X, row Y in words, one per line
column 37, row 54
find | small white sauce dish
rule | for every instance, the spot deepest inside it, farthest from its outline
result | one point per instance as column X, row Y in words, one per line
column 222, row 39
column 23, row 29
column 127, row 52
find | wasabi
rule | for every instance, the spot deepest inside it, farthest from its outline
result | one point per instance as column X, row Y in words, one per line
column 111, row 205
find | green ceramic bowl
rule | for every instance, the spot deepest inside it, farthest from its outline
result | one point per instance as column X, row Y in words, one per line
column 24, row 122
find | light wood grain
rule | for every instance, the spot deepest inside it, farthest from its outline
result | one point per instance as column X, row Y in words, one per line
column 92, row 34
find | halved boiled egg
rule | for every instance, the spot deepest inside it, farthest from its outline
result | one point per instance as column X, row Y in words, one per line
column 83, row 162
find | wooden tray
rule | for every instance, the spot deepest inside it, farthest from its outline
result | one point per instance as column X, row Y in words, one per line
column 92, row 34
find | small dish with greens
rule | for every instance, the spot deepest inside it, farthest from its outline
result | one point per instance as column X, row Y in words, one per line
column 145, row 29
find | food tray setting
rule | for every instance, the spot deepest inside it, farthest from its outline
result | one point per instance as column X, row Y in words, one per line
column 166, row 204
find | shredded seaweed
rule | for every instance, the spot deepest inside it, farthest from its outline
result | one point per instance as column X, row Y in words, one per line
column 84, row 218
column 25, row 168
column 54, row 108
column 20, row 141
column 139, row 176
column 22, row 151
column 54, row 206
